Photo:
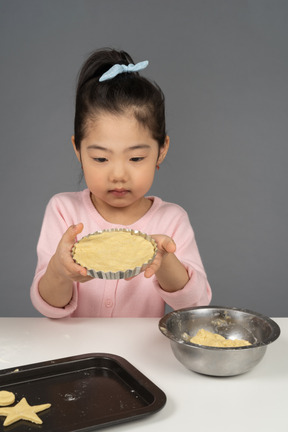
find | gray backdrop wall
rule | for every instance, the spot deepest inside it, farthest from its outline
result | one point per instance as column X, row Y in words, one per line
column 223, row 67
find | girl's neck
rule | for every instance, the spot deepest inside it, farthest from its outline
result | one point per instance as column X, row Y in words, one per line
column 122, row 215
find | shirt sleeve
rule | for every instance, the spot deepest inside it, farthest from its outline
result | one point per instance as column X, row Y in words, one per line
column 197, row 291
column 53, row 227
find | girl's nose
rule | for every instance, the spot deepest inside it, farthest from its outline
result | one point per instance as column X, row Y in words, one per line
column 118, row 172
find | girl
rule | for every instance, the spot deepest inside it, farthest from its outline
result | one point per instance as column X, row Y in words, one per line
column 119, row 140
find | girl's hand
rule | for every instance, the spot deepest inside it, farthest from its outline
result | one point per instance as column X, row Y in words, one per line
column 63, row 263
column 165, row 245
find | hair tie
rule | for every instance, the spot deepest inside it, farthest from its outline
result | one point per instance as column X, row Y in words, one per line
column 121, row 68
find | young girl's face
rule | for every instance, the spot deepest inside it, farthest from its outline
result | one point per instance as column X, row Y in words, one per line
column 119, row 157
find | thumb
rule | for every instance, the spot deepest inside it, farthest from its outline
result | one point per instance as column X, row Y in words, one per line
column 72, row 232
column 169, row 245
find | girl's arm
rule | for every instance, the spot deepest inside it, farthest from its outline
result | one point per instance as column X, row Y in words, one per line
column 170, row 273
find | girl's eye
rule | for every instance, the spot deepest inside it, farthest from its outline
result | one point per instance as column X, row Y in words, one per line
column 137, row 159
column 100, row 160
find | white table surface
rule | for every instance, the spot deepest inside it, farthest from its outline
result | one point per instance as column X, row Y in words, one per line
column 255, row 401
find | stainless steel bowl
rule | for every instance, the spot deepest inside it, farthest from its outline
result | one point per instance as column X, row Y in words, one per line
column 231, row 323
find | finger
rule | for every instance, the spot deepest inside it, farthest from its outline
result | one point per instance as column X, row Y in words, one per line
column 149, row 272
column 78, row 273
column 169, row 245
column 80, row 278
column 77, row 229
column 82, row 271
column 72, row 232
column 165, row 243
column 154, row 266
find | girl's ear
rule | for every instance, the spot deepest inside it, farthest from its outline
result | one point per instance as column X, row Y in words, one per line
column 77, row 152
column 163, row 150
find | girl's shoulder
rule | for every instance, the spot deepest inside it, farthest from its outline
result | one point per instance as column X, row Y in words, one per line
column 165, row 217
column 69, row 197
column 165, row 213
column 166, row 207
column 69, row 202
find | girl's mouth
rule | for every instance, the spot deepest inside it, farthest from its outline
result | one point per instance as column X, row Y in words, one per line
column 119, row 192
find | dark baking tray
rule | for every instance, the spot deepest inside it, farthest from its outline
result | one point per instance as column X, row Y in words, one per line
column 87, row 392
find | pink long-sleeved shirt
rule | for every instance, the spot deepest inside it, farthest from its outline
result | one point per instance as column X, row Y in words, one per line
column 138, row 297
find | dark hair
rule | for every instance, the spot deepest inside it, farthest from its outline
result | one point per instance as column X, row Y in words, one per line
column 127, row 91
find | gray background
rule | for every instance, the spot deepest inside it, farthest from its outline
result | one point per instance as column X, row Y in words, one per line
column 223, row 67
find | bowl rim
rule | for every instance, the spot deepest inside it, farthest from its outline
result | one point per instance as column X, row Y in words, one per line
column 164, row 330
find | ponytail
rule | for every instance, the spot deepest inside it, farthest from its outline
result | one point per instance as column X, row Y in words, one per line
column 127, row 91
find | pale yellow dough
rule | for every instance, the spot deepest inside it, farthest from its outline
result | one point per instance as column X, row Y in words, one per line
column 113, row 251
column 6, row 398
column 204, row 337
column 23, row 411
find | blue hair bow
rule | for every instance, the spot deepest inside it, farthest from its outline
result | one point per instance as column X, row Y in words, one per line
column 121, row 68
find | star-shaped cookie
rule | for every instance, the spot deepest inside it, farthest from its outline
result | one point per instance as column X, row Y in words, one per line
column 22, row 411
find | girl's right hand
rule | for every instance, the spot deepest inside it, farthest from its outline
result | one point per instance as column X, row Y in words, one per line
column 63, row 263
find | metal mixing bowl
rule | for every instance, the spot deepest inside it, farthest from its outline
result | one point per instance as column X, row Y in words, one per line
column 180, row 325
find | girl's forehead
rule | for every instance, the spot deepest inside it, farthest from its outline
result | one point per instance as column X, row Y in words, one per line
column 109, row 125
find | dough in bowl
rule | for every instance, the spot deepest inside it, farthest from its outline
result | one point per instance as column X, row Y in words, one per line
column 204, row 337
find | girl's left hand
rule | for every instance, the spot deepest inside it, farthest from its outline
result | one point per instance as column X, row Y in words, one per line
column 165, row 245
